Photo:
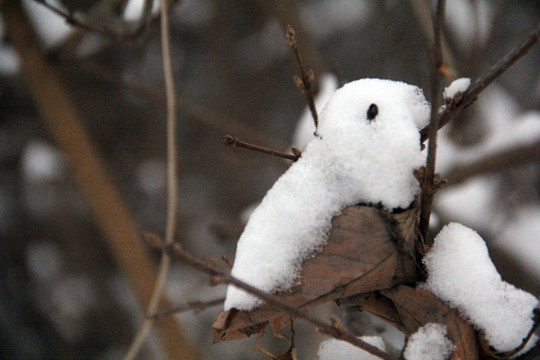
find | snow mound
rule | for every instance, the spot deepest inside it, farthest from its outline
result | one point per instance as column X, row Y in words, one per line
column 429, row 343
column 366, row 151
column 461, row 273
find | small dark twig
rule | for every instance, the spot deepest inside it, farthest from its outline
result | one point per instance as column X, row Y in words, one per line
column 481, row 83
column 232, row 141
column 307, row 77
column 323, row 327
column 436, row 85
column 195, row 306
column 103, row 31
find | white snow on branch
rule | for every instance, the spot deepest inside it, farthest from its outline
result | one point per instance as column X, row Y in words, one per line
column 458, row 85
column 334, row 349
column 367, row 149
column 461, row 273
column 429, row 343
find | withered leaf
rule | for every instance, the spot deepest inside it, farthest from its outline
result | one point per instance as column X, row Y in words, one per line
column 368, row 249
column 418, row 307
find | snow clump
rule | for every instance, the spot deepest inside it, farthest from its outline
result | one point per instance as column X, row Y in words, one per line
column 461, row 273
column 367, row 148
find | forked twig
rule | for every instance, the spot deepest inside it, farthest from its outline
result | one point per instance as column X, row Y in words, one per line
column 307, row 77
column 232, row 141
column 436, row 85
column 103, row 31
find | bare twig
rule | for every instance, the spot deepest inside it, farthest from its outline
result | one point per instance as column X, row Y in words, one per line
column 232, row 141
column 274, row 301
column 103, row 31
column 436, row 80
column 481, row 83
column 501, row 160
column 307, row 77
column 195, row 306
column 172, row 187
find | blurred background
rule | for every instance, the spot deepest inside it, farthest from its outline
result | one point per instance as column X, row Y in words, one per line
column 63, row 294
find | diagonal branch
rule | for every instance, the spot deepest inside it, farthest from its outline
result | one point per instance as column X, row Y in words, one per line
column 436, row 85
column 307, row 77
column 503, row 159
column 232, row 141
column 481, row 83
column 335, row 329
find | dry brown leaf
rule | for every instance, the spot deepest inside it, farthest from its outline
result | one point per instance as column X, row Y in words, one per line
column 418, row 307
column 368, row 249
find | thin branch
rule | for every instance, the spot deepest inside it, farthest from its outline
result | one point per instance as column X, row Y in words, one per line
column 436, row 85
column 307, row 77
column 172, row 185
column 335, row 329
column 501, row 160
column 103, row 31
column 232, row 141
column 195, row 306
column 480, row 84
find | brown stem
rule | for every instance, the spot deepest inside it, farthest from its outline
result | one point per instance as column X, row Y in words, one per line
column 232, row 141
column 494, row 162
column 481, row 83
column 61, row 117
column 103, row 31
column 195, row 306
column 436, row 80
column 274, row 301
column 307, row 77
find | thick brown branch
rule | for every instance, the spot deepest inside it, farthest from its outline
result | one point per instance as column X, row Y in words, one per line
column 61, row 117
column 307, row 77
column 232, row 141
column 501, row 160
column 274, row 301
column 481, row 83
column 436, row 80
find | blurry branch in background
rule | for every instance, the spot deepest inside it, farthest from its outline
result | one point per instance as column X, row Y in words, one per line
column 501, row 160
column 307, row 77
column 104, row 31
column 422, row 10
column 200, row 113
column 172, row 194
column 427, row 186
column 232, row 141
column 61, row 118
column 481, row 83
column 334, row 329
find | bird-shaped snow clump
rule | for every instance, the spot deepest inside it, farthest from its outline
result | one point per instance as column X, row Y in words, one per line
column 367, row 148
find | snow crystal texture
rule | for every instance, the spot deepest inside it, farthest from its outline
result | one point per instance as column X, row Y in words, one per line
column 353, row 160
column 458, row 85
column 429, row 343
column 334, row 349
column 461, row 273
